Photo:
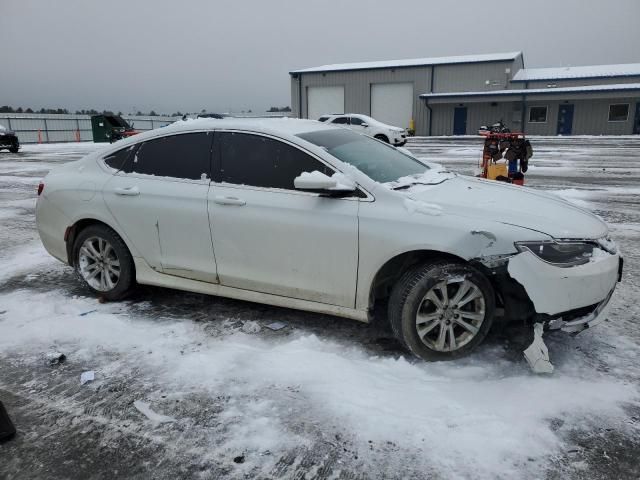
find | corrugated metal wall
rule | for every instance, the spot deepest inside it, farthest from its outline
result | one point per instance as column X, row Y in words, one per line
column 590, row 117
column 472, row 77
column 578, row 82
column 357, row 89
column 35, row 127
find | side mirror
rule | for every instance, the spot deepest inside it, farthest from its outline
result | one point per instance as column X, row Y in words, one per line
column 314, row 181
column 365, row 125
column 318, row 182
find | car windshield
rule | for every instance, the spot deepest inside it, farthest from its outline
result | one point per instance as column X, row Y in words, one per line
column 378, row 161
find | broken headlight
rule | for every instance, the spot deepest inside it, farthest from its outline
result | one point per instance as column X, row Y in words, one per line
column 559, row 253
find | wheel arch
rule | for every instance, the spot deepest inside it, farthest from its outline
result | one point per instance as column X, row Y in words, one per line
column 79, row 225
column 389, row 272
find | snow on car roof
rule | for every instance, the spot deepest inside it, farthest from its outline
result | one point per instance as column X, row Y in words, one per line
column 412, row 62
column 276, row 126
column 564, row 73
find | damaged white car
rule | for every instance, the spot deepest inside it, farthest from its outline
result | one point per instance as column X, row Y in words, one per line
column 305, row 215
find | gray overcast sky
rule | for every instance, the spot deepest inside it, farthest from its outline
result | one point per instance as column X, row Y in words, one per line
column 187, row 55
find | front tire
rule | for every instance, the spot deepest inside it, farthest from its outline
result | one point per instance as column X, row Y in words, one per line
column 382, row 137
column 441, row 310
column 103, row 262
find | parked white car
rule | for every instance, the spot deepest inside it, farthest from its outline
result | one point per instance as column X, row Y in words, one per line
column 369, row 126
column 306, row 215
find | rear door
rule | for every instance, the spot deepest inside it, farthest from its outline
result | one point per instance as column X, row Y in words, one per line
column 159, row 200
column 271, row 238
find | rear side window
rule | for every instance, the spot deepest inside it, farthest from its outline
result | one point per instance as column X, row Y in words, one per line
column 118, row 159
column 177, row 156
column 341, row 120
column 246, row 159
column 323, row 119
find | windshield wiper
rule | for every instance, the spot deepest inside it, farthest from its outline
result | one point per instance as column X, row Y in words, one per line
column 407, row 185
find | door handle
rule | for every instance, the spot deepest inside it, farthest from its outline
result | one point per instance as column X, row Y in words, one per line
column 129, row 191
column 229, row 201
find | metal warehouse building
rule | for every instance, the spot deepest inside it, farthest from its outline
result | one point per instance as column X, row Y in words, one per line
column 456, row 95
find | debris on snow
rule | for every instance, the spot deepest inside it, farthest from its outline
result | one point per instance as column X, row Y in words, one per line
column 88, row 376
column 87, row 313
column 251, row 326
column 537, row 355
column 156, row 418
column 275, row 326
column 55, row 358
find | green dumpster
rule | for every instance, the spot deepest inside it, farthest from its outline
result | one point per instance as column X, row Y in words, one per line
column 109, row 128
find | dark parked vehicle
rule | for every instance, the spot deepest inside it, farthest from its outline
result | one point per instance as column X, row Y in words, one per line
column 9, row 140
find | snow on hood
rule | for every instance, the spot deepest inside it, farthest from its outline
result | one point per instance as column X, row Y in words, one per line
column 512, row 205
column 434, row 175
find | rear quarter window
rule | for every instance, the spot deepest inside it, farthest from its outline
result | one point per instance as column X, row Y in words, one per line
column 118, row 159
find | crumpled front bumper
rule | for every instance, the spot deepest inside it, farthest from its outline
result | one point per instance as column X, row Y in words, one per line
column 571, row 299
column 592, row 319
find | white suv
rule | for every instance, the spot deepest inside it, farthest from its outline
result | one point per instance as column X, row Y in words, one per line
column 301, row 214
column 396, row 136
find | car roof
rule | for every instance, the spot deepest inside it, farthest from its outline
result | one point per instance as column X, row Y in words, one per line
column 280, row 127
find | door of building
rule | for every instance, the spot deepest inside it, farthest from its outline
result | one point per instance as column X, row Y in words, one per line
column 460, row 121
column 636, row 122
column 565, row 119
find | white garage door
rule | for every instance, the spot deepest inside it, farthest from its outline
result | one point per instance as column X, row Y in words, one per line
column 323, row 100
column 392, row 103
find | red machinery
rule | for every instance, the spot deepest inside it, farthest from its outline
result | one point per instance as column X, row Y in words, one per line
column 505, row 157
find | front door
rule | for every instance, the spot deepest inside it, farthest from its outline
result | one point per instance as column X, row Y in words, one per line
column 636, row 122
column 565, row 119
column 159, row 200
column 269, row 237
column 460, row 121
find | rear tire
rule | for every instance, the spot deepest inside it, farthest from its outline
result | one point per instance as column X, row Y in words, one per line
column 14, row 148
column 441, row 310
column 103, row 262
column 382, row 137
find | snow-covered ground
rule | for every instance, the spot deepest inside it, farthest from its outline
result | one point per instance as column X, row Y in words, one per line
column 190, row 386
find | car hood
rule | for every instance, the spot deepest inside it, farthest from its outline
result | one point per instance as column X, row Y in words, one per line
column 512, row 205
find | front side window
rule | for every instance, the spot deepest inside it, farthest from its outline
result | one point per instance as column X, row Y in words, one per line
column 246, row 159
column 356, row 121
column 176, row 156
column 538, row 115
column 341, row 120
column 379, row 161
column 619, row 112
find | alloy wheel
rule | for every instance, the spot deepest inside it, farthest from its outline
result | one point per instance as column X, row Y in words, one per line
column 99, row 264
column 450, row 314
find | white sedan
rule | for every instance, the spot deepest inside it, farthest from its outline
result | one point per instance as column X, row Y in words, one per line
column 306, row 215
column 370, row 126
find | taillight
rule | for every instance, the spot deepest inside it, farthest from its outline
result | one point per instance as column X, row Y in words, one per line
column 40, row 188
